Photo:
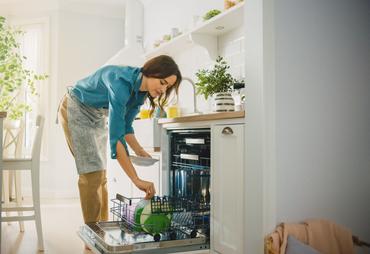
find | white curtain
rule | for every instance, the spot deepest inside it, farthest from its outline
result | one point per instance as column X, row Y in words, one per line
column 34, row 47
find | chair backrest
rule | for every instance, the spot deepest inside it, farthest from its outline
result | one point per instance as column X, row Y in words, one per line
column 36, row 147
column 13, row 140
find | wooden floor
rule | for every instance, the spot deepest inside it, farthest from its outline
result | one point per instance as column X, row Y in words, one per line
column 60, row 220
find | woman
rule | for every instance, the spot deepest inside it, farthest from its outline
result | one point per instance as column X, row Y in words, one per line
column 117, row 91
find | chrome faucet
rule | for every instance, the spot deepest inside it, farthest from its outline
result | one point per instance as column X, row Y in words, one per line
column 194, row 94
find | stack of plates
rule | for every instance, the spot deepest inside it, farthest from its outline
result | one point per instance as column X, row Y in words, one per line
column 142, row 161
column 148, row 222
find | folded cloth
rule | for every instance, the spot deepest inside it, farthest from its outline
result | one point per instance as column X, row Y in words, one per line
column 277, row 241
column 323, row 235
column 328, row 237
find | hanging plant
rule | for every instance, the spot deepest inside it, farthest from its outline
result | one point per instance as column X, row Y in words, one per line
column 14, row 78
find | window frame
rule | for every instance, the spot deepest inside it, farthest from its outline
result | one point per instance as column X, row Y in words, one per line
column 43, row 87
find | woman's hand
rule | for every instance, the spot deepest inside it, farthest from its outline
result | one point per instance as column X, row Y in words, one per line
column 142, row 153
column 124, row 161
column 147, row 187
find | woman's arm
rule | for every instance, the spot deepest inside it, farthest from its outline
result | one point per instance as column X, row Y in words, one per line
column 124, row 161
column 134, row 144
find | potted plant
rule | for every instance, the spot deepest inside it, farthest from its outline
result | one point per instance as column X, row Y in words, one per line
column 219, row 82
column 210, row 14
column 14, row 77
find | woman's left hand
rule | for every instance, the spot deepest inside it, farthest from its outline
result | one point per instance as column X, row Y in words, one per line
column 142, row 153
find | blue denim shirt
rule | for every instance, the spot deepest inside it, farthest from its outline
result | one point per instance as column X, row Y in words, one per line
column 115, row 88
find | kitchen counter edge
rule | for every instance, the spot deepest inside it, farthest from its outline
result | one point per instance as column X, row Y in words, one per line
column 203, row 117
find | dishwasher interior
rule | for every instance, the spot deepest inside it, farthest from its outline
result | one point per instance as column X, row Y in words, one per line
column 187, row 206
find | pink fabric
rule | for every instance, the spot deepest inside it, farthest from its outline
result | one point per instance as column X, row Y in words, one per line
column 329, row 238
column 322, row 235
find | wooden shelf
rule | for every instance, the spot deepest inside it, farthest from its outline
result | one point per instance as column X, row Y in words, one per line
column 205, row 34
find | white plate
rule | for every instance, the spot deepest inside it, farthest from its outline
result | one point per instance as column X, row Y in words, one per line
column 142, row 161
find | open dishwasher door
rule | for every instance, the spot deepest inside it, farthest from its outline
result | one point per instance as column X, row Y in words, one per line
column 187, row 230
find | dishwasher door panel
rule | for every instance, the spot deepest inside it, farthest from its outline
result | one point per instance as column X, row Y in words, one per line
column 186, row 231
column 111, row 238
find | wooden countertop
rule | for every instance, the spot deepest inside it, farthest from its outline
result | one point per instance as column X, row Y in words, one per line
column 2, row 114
column 203, row 117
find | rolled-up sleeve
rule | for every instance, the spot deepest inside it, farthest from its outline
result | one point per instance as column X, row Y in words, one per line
column 119, row 91
column 130, row 116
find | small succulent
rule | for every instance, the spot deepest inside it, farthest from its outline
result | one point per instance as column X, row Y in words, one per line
column 166, row 37
column 210, row 14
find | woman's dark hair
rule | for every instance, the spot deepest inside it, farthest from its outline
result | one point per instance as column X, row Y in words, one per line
column 162, row 67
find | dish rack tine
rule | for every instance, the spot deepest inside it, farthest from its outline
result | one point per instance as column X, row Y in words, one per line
column 123, row 199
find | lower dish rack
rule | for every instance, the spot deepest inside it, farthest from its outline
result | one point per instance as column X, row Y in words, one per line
column 186, row 229
column 186, row 217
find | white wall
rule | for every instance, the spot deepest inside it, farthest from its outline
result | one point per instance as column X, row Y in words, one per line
column 83, row 36
column 322, row 111
column 85, row 42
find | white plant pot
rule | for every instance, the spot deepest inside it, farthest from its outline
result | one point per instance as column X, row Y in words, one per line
column 12, row 138
column 224, row 102
column 12, row 124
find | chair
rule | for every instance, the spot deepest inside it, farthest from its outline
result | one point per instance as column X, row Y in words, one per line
column 32, row 164
column 13, row 148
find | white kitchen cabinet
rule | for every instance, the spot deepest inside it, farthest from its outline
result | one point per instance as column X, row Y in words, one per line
column 227, row 164
column 147, row 132
column 119, row 182
column 150, row 173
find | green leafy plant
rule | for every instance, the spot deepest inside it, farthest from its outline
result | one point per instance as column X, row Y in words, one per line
column 216, row 80
column 14, row 78
column 210, row 14
column 166, row 37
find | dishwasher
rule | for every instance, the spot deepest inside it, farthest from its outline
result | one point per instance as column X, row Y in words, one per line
column 187, row 206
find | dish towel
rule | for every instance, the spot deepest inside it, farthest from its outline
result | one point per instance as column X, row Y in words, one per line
column 323, row 235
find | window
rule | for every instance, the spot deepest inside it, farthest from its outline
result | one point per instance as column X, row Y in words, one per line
column 34, row 46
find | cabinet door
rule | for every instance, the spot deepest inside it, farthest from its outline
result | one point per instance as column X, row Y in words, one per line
column 118, row 181
column 151, row 174
column 227, row 162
